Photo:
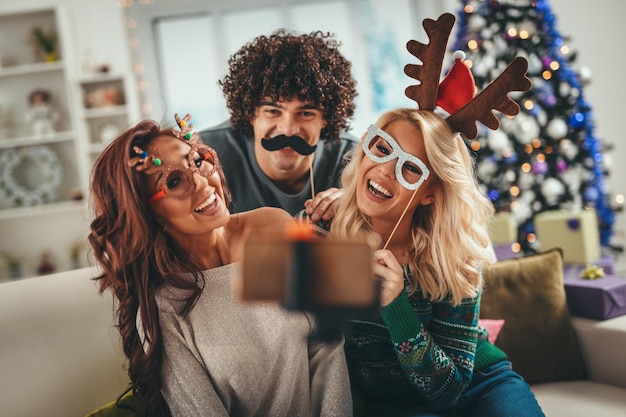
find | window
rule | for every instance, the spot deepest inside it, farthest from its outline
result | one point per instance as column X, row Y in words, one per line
column 185, row 49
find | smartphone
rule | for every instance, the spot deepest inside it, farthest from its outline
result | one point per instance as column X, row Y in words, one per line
column 319, row 274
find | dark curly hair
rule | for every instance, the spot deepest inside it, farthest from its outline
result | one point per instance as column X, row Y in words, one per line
column 285, row 66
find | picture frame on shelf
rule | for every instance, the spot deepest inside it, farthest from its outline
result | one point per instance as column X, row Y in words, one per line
column 103, row 97
column 102, row 91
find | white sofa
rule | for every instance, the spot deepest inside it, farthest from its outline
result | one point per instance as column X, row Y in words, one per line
column 61, row 356
column 59, row 352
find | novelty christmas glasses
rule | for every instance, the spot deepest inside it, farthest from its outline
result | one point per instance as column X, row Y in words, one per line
column 381, row 147
column 177, row 180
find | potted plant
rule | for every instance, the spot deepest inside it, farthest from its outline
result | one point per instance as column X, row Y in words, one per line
column 45, row 43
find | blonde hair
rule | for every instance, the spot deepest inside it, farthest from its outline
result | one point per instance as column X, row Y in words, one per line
column 450, row 242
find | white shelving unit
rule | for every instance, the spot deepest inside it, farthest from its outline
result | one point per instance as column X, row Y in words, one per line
column 57, row 212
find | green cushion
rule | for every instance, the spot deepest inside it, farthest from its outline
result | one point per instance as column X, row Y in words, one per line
column 538, row 335
column 128, row 406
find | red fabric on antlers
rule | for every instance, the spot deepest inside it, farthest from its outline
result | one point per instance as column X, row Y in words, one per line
column 457, row 88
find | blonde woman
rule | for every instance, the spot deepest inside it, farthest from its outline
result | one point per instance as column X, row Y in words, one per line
column 409, row 190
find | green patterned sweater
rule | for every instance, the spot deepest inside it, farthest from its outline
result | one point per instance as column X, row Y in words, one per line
column 417, row 351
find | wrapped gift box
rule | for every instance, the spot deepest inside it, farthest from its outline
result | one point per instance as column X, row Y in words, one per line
column 576, row 232
column 502, row 229
column 504, row 252
column 600, row 298
column 607, row 263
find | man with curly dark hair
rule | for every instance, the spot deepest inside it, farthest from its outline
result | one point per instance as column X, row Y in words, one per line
column 285, row 92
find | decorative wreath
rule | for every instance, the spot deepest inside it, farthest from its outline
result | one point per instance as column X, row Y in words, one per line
column 45, row 160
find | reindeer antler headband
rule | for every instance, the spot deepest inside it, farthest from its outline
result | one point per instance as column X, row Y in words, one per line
column 150, row 163
column 455, row 94
column 458, row 99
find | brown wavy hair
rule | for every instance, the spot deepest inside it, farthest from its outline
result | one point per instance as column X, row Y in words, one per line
column 286, row 65
column 136, row 257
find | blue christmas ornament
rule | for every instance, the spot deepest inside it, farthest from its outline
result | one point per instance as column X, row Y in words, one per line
column 590, row 195
column 511, row 159
column 577, row 120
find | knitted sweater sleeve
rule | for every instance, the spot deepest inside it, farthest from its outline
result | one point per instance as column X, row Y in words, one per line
column 439, row 360
column 187, row 388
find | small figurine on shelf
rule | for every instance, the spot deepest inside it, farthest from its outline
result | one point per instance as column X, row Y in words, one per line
column 41, row 115
column 75, row 250
column 89, row 67
column 44, row 44
column 13, row 263
column 45, row 265
column 76, row 194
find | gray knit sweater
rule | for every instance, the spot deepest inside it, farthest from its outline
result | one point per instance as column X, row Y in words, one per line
column 230, row 358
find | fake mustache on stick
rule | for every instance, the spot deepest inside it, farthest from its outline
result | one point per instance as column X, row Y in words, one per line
column 294, row 142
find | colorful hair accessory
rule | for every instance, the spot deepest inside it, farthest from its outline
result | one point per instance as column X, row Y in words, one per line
column 177, row 180
column 186, row 132
column 143, row 161
column 457, row 90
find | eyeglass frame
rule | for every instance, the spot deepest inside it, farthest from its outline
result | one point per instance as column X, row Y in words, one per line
column 188, row 172
column 397, row 152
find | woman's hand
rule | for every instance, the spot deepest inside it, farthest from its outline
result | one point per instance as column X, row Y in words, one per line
column 391, row 275
column 322, row 206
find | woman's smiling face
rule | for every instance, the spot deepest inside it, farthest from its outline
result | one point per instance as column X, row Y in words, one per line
column 384, row 188
column 202, row 206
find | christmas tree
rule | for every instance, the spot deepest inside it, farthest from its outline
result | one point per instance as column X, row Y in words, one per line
column 547, row 157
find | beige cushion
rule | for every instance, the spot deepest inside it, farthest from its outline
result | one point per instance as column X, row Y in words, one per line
column 538, row 335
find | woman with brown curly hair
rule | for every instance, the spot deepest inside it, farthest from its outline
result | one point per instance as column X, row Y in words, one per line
column 285, row 92
column 168, row 249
